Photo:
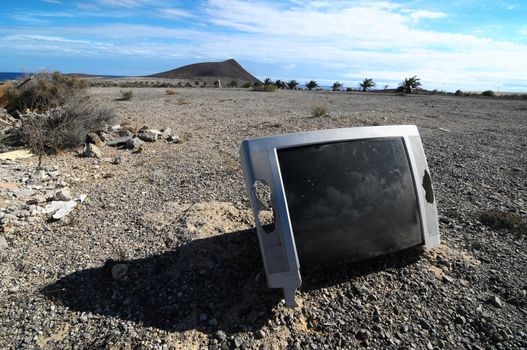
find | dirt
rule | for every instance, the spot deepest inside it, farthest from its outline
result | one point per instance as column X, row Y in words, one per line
column 178, row 216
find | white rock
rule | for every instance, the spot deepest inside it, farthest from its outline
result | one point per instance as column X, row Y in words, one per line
column 59, row 209
column 3, row 243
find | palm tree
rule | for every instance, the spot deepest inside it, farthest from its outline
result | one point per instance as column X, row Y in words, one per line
column 311, row 84
column 280, row 84
column 268, row 81
column 292, row 84
column 409, row 84
column 367, row 84
column 337, row 86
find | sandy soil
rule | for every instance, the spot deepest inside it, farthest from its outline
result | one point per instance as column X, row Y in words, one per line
column 178, row 216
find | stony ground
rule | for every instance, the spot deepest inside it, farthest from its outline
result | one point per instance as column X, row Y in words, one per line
column 177, row 217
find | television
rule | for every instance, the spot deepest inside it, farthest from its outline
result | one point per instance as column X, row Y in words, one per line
column 338, row 195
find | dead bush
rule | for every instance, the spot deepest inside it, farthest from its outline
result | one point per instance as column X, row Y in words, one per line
column 126, row 95
column 41, row 91
column 65, row 126
column 502, row 220
column 183, row 101
column 319, row 111
column 171, row 92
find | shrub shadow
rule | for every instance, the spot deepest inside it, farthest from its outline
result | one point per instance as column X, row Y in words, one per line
column 220, row 277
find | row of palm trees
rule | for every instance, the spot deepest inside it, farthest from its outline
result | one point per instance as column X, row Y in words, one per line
column 408, row 85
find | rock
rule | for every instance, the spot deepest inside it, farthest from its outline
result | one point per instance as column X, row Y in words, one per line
column 59, row 209
column 105, row 137
column 116, row 160
column 125, row 133
column 173, row 138
column 447, row 279
column 148, row 135
column 259, row 334
column 495, row 301
column 121, row 141
column 139, row 150
column 8, row 185
column 63, row 195
column 90, row 150
column 24, row 193
column 220, row 335
column 115, row 127
column 165, row 133
column 3, row 243
column 93, row 138
column 424, row 324
column 459, row 319
column 237, row 342
column 133, row 143
column 363, row 334
column 119, row 271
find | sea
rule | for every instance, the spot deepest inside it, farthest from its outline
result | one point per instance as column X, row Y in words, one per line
column 10, row 75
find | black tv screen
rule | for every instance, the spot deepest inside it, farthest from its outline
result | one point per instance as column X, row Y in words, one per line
column 350, row 199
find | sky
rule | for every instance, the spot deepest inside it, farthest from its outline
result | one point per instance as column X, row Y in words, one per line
column 462, row 44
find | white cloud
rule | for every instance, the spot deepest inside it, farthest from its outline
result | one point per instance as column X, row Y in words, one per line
column 173, row 13
column 388, row 47
column 53, row 1
column 427, row 14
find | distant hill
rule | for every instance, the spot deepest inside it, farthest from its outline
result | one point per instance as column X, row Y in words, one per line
column 225, row 71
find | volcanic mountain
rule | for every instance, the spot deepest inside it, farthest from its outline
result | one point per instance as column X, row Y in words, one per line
column 225, row 71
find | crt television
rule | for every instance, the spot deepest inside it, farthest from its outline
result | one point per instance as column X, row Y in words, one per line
column 340, row 194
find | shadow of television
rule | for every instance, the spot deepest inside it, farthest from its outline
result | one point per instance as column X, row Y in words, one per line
column 220, row 277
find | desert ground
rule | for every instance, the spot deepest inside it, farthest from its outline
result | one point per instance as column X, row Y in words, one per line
column 177, row 215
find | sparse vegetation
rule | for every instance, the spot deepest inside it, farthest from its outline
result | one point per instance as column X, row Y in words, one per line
column 65, row 126
column 336, row 86
column 367, row 84
column 182, row 101
column 171, row 92
column 292, row 84
column 232, row 84
column 62, row 113
column 488, row 93
column 409, row 84
column 41, row 91
column 264, row 88
column 502, row 220
column 319, row 111
column 312, row 84
column 247, row 85
column 268, row 81
column 126, row 95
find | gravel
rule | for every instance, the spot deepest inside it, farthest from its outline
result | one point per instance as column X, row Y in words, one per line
column 178, row 217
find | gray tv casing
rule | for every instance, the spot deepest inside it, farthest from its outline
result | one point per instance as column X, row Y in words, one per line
column 260, row 163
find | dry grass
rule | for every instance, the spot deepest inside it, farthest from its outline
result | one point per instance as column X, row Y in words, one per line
column 126, row 95
column 183, row 101
column 319, row 111
column 502, row 220
column 171, row 92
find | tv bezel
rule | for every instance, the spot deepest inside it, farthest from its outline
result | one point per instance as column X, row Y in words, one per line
column 260, row 163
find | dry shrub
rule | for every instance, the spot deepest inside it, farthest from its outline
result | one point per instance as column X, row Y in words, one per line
column 171, row 92
column 126, row 95
column 182, row 101
column 502, row 220
column 42, row 91
column 319, row 111
column 265, row 88
column 65, row 126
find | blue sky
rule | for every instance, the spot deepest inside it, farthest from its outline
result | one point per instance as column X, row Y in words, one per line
column 461, row 44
